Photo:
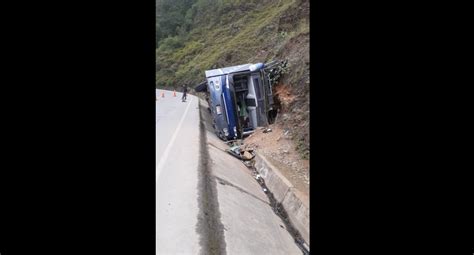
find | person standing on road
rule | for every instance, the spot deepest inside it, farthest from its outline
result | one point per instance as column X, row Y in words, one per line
column 185, row 91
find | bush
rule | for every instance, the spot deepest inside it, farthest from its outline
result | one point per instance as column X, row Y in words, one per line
column 170, row 43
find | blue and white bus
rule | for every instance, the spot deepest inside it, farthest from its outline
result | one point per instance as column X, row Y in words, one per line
column 240, row 99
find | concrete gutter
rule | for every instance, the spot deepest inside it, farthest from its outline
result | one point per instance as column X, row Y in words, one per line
column 250, row 225
column 294, row 202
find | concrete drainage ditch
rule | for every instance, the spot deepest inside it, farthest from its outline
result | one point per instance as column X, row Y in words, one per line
column 279, row 210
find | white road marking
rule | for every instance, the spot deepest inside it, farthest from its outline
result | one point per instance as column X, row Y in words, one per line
column 168, row 147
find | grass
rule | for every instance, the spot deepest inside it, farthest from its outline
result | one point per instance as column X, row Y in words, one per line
column 207, row 46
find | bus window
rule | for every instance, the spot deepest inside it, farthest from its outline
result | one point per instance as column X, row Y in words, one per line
column 224, row 108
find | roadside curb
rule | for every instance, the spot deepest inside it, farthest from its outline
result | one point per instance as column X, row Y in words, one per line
column 295, row 204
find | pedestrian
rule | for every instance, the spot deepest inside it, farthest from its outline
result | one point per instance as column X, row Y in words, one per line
column 185, row 90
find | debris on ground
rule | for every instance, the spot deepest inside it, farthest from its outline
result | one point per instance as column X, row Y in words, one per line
column 267, row 130
column 249, row 163
column 243, row 152
column 278, row 148
column 234, row 142
column 247, row 156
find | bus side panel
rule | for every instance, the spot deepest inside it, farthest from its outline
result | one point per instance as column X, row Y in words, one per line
column 215, row 96
column 229, row 108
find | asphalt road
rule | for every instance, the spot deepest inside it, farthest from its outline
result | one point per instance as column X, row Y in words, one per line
column 177, row 154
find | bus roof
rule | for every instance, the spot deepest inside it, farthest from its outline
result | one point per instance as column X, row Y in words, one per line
column 227, row 70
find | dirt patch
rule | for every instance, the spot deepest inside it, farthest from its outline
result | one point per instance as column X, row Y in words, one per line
column 278, row 147
column 293, row 15
column 284, row 95
column 292, row 92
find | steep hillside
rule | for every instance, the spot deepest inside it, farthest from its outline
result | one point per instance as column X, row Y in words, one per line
column 198, row 35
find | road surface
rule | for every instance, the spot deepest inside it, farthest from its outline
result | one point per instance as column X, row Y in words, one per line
column 177, row 154
column 207, row 202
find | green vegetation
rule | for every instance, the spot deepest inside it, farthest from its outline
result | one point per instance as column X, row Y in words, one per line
column 194, row 36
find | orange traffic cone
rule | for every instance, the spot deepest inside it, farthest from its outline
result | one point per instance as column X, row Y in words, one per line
column 174, row 93
column 162, row 94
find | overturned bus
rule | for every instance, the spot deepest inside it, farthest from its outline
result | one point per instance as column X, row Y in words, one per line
column 240, row 99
